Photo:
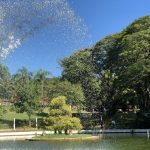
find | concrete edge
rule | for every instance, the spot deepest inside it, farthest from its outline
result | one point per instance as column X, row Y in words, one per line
column 63, row 139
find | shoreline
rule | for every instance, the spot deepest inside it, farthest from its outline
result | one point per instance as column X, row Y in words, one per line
column 14, row 138
column 105, row 131
column 64, row 139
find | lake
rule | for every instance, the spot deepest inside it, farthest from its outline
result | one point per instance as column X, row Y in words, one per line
column 108, row 142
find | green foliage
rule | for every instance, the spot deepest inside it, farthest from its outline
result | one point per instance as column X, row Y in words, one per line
column 29, row 90
column 73, row 92
column 78, row 68
column 127, row 56
column 138, row 25
column 6, row 85
column 117, row 62
column 40, row 78
column 3, row 111
column 27, row 93
column 27, row 98
column 60, row 118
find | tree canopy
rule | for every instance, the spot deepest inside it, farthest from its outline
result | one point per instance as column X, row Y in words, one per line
column 118, row 64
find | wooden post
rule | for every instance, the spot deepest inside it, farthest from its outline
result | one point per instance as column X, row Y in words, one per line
column 14, row 125
column 101, row 118
column 36, row 124
column 148, row 135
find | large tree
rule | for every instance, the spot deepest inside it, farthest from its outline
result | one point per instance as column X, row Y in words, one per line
column 126, row 54
column 78, row 68
column 116, row 65
column 27, row 94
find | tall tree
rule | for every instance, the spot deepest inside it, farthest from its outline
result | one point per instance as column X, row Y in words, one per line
column 40, row 78
column 78, row 68
column 6, row 84
column 22, row 77
column 127, row 56
column 26, row 93
column 27, row 99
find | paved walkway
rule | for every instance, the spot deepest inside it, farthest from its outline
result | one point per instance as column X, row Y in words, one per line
column 14, row 138
column 116, row 131
column 30, row 134
column 21, row 135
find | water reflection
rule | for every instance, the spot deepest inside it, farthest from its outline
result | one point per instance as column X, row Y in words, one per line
column 109, row 142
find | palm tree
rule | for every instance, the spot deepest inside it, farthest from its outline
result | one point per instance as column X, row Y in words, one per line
column 5, row 83
column 40, row 77
column 23, row 76
column 20, row 79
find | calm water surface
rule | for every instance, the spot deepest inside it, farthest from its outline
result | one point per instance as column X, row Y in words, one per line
column 113, row 142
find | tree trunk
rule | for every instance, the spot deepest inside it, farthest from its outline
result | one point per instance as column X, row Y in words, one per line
column 66, row 131
column 146, row 95
column 55, row 131
column 147, row 99
column 42, row 93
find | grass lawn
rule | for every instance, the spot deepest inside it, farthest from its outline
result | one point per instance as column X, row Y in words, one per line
column 64, row 136
column 6, row 119
column 20, row 116
column 11, row 114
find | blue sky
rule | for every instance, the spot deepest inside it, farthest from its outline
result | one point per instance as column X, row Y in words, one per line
column 102, row 17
